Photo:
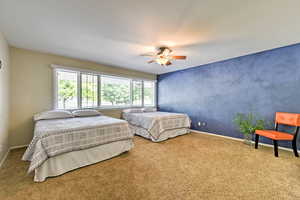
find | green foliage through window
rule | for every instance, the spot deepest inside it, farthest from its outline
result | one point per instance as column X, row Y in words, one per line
column 137, row 93
column 115, row 94
column 114, row 91
column 67, row 90
column 89, row 90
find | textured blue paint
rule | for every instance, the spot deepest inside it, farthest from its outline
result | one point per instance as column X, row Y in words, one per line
column 262, row 83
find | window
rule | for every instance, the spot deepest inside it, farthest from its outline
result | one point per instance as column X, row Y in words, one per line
column 137, row 93
column 89, row 90
column 66, row 90
column 149, row 93
column 115, row 91
column 81, row 89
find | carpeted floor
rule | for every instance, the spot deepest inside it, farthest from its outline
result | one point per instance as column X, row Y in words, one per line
column 193, row 166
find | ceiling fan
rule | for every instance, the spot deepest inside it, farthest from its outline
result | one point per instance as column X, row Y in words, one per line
column 164, row 56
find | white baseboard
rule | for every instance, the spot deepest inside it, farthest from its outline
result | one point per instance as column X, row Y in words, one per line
column 4, row 158
column 18, row 147
column 9, row 149
column 239, row 139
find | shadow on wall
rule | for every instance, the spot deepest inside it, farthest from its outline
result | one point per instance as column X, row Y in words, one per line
column 27, row 126
column 261, row 83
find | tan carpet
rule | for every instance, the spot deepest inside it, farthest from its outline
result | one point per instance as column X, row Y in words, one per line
column 193, row 166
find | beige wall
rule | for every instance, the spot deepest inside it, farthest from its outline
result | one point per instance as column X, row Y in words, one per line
column 32, row 87
column 4, row 97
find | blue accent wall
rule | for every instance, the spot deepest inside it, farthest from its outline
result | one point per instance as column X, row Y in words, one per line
column 261, row 83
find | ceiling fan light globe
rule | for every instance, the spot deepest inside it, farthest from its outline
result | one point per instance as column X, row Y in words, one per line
column 162, row 61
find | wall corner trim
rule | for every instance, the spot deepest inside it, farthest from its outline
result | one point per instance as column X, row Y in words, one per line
column 4, row 158
column 7, row 153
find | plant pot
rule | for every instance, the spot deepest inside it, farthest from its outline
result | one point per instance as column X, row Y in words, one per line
column 248, row 139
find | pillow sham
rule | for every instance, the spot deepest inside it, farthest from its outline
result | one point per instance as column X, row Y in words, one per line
column 133, row 110
column 86, row 113
column 53, row 114
column 150, row 109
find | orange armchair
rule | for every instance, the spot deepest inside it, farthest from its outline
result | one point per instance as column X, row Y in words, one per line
column 291, row 119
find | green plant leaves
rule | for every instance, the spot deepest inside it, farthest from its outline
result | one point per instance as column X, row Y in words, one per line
column 247, row 123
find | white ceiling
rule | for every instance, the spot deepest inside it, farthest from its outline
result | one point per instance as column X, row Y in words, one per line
column 116, row 32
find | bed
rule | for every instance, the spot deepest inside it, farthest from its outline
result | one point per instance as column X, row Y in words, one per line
column 62, row 145
column 157, row 126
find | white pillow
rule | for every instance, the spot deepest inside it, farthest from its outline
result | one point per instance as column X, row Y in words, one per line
column 133, row 110
column 86, row 113
column 53, row 114
column 149, row 109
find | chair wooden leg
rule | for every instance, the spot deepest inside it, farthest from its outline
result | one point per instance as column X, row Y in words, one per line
column 275, row 148
column 256, row 140
column 295, row 148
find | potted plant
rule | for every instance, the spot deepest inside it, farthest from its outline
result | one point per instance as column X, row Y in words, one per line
column 247, row 124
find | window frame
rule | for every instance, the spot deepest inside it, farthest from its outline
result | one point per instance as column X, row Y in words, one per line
column 80, row 89
column 142, row 92
column 154, row 92
column 79, row 72
column 55, row 88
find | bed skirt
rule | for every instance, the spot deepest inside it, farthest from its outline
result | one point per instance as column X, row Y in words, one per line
column 66, row 162
column 163, row 136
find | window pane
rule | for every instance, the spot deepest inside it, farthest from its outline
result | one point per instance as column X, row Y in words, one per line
column 89, row 90
column 67, row 90
column 149, row 93
column 137, row 93
column 115, row 91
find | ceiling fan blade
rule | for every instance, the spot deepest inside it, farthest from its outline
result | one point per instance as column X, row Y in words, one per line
column 179, row 57
column 149, row 54
column 151, row 61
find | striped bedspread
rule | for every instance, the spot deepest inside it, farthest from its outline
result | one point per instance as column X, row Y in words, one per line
column 58, row 136
column 158, row 122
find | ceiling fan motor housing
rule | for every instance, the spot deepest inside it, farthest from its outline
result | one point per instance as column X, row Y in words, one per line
column 164, row 56
column 162, row 49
